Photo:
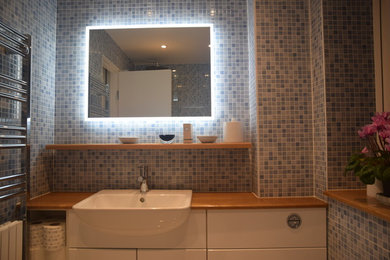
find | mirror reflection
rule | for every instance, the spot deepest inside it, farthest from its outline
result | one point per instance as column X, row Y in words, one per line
column 149, row 72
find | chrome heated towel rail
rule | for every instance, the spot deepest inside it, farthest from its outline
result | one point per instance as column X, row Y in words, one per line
column 15, row 67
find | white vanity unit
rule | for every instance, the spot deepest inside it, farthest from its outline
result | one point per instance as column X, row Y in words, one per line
column 213, row 235
column 219, row 226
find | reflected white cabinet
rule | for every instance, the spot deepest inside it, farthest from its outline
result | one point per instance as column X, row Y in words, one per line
column 102, row 254
column 172, row 254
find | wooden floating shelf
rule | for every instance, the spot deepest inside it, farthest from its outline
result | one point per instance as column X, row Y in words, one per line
column 174, row 146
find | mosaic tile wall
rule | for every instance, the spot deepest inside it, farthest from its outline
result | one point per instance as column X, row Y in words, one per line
column 101, row 44
column 350, row 90
column 319, row 101
column 38, row 18
column 353, row 234
column 191, row 88
column 253, row 108
column 284, row 98
column 230, row 72
column 199, row 170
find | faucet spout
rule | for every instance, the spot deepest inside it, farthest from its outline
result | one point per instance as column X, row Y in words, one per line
column 143, row 179
column 144, row 187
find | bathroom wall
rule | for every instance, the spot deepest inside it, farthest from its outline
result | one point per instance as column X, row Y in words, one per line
column 343, row 87
column 284, row 102
column 319, row 99
column 230, row 97
column 349, row 79
column 253, row 106
column 37, row 18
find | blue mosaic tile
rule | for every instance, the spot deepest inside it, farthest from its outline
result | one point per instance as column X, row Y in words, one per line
column 353, row 234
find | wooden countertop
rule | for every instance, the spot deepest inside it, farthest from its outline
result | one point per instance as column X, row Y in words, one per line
column 57, row 200
column 247, row 200
column 358, row 199
column 65, row 200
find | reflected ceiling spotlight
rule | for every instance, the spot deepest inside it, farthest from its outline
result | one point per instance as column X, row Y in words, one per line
column 163, row 46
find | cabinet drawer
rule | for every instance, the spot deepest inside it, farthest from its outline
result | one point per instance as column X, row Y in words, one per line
column 102, row 254
column 269, row 254
column 172, row 254
column 265, row 228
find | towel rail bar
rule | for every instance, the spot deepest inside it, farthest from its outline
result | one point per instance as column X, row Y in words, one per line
column 12, row 88
column 11, row 30
column 10, row 146
column 11, row 48
column 13, row 97
column 7, row 127
column 21, row 44
column 12, row 137
column 18, row 81
column 11, row 195
column 12, row 186
column 12, row 177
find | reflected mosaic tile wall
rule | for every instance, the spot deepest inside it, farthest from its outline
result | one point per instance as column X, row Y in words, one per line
column 191, row 90
column 284, row 98
column 349, row 75
column 198, row 170
column 353, row 234
column 38, row 18
column 230, row 85
column 101, row 45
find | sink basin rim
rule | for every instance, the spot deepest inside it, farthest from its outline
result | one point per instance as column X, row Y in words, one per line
column 90, row 203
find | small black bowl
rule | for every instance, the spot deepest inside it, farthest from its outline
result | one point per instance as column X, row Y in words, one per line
column 167, row 138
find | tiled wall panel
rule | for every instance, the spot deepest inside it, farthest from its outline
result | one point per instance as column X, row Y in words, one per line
column 349, row 76
column 253, row 110
column 199, row 170
column 319, row 100
column 284, row 98
column 38, row 18
column 353, row 234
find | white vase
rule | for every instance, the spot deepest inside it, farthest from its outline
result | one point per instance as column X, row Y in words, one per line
column 373, row 189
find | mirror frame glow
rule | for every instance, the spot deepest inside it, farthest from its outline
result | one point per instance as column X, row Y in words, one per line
column 86, row 89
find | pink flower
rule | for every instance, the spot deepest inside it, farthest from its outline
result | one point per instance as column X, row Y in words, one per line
column 384, row 133
column 380, row 120
column 365, row 150
column 367, row 130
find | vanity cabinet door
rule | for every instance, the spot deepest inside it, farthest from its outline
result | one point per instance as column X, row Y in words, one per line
column 102, row 254
column 266, row 228
column 172, row 254
column 269, row 254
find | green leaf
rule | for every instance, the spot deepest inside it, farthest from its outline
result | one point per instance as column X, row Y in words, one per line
column 386, row 175
column 367, row 177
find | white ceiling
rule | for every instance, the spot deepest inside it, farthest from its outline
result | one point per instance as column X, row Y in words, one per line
column 188, row 45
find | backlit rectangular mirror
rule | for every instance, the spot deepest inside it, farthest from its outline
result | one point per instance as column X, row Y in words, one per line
column 149, row 72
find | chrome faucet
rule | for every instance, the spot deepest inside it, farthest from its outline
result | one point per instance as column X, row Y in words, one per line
column 143, row 178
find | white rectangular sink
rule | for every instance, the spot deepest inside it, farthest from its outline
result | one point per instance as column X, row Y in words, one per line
column 130, row 212
column 131, row 200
